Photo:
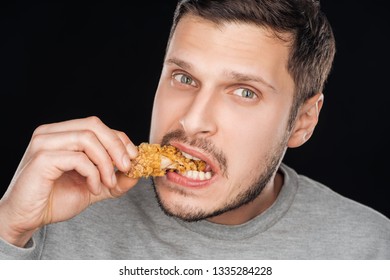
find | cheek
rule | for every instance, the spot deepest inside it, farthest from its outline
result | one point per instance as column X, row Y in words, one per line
column 248, row 142
column 157, row 122
column 165, row 117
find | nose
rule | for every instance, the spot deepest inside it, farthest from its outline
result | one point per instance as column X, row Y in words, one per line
column 200, row 118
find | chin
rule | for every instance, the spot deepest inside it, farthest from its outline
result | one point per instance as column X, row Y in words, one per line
column 179, row 203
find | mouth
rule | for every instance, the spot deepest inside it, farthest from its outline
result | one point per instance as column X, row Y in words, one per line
column 202, row 175
column 205, row 170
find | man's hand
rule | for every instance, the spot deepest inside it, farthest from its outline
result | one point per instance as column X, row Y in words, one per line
column 67, row 166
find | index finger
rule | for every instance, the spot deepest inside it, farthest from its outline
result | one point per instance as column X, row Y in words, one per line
column 116, row 143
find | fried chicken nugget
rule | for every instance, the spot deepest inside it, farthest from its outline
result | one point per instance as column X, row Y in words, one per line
column 156, row 160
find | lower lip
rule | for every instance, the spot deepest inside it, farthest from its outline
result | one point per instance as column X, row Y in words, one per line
column 187, row 182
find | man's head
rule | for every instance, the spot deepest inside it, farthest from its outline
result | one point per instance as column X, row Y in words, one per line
column 241, row 82
column 300, row 23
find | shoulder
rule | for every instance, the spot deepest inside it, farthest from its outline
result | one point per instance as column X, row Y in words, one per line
column 333, row 202
column 334, row 216
column 316, row 194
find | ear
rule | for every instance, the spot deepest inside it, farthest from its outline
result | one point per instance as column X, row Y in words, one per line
column 307, row 119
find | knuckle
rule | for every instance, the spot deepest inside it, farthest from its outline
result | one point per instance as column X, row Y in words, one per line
column 94, row 120
column 87, row 136
column 40, row 129
column 36, row 142
column 121, row 134
column 117, row 142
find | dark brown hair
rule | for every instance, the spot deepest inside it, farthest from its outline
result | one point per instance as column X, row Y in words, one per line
column 308, row 31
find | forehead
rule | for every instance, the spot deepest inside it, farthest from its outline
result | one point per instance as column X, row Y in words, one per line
column 197, row 25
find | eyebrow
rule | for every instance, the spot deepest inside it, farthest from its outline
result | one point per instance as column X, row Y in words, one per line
column 242, row 77
column 238, row 76
column 179, row 62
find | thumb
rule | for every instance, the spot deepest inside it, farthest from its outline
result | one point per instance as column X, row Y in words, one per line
column 124, row 184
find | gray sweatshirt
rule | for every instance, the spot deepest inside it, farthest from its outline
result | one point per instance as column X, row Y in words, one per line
column 307, row 221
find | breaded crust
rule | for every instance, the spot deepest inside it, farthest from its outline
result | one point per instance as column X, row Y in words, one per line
column 156, row 160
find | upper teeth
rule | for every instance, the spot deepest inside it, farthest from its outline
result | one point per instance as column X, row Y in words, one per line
column 189, row 156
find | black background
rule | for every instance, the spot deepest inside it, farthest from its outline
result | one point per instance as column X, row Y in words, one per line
column 65, row 60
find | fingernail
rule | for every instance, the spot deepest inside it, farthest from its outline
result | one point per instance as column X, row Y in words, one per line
column 132, row 150
column 126, row 161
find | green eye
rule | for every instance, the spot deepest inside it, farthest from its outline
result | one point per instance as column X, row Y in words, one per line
column 245, row 93
column 184, row 79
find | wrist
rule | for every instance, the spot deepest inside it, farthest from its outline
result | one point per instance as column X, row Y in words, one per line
column 11, row 234
column 18, row 240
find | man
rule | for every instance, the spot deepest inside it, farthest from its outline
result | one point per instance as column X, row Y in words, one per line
column 242, row 82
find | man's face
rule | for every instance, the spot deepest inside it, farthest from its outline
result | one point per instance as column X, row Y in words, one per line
column 224, row 96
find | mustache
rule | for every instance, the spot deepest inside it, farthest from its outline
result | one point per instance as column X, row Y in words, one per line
column 201, row 143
